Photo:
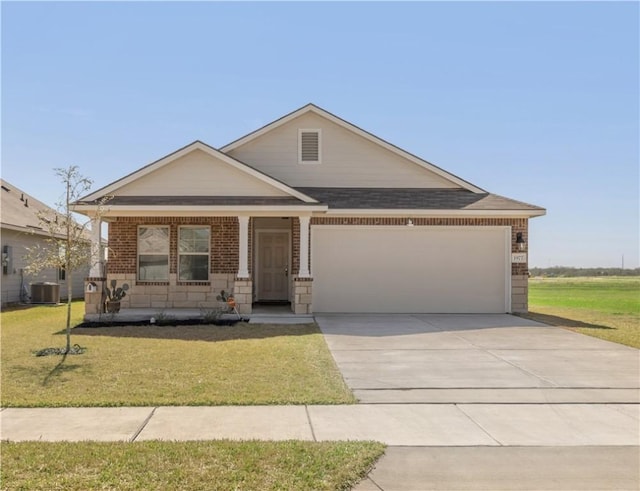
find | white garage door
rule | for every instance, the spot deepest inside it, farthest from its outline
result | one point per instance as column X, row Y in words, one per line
column 410, row 269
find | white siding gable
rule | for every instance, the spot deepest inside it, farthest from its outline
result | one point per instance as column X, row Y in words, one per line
column 198, row 174
column 348, row 159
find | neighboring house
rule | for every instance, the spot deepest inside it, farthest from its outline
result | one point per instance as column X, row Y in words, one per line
column 21, row 229
column 314, row 211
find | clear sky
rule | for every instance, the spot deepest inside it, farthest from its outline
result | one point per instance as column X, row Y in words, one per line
column 536, row 101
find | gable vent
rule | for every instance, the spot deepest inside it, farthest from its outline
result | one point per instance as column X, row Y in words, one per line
column 309, row 150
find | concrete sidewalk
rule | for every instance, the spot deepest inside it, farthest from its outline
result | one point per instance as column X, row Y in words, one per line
column 394, row 424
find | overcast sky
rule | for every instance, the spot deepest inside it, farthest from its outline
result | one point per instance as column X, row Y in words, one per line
column 536, row 101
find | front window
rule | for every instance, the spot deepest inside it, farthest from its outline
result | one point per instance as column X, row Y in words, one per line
column 62, row 254
column 193, row 253
column 153, row 253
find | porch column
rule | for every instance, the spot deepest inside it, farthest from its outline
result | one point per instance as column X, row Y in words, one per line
column 243, row 247
column 95, row 270
column 304, row 247
column 95, row 282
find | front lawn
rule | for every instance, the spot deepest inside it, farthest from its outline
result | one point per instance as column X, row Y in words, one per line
column 164, row 365
column 603, row 307
column 187, row 465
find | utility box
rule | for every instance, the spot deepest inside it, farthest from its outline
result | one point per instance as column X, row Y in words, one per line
column 45, row 293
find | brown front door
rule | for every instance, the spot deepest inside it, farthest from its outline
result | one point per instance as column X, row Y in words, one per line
column 273, row 265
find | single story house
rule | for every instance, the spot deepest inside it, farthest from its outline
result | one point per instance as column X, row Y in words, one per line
column 315, row 211
column 21, row 229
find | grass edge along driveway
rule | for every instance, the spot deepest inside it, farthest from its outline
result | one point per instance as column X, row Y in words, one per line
column 603, row 307
column 245, row 364
column 187, row 465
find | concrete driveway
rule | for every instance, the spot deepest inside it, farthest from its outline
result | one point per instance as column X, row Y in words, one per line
column 435, row 358
column 559, row 409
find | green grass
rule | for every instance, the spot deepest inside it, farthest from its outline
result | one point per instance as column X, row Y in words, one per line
column 604, row 307
column 215, row 465
column 245, row 364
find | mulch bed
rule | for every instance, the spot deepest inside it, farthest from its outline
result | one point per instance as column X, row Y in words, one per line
column 172, row 322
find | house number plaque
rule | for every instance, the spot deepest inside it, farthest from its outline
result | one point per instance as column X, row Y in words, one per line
column 518, row 257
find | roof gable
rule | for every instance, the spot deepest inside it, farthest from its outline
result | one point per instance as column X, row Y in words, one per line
column 413, row 168
column 197, row 170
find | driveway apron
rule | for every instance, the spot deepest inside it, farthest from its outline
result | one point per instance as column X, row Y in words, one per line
column 488, row 402
column 431, row 358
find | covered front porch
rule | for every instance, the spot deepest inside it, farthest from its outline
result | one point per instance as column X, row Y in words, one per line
column 262, row 260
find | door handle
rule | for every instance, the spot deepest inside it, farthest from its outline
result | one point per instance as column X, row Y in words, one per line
column 286, row 271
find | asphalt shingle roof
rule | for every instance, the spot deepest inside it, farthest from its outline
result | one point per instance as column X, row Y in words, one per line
column 19, row 209
column 412, row 199
column 346, row 198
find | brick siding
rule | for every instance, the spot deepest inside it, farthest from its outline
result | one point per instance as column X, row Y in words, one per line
column 123, row 242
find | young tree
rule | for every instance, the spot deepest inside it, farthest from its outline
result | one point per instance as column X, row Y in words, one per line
column 68, row 245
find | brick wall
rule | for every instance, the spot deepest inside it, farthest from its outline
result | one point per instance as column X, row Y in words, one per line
column 123, row 235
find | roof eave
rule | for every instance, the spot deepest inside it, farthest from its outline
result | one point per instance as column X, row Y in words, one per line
column 40, row 232
column 201, row 210
column 436, row 213
column 24, row 229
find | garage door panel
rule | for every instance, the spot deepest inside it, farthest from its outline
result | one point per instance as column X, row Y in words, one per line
column 418, row 269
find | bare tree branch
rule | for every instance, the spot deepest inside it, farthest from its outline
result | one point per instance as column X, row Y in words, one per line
column 68, row 244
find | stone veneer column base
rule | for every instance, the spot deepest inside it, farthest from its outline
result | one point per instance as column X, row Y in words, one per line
column 93, row 299
column 243, row 293
column 302, row 296
column 519, row 293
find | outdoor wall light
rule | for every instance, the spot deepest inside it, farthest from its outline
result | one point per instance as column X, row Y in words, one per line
column 520, row 241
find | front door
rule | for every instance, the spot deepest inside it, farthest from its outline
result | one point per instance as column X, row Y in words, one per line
column 273, row 265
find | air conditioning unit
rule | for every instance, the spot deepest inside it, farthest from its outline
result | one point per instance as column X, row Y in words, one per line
column 45, row 293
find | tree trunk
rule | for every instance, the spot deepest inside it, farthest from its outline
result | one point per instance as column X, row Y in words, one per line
column 69, row 296
column 67, row 268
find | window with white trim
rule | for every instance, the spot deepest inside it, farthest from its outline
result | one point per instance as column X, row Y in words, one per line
column 309, row 146
column 153, row 253
column 193, row 253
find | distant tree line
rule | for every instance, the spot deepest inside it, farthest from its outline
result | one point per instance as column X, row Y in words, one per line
column 565, row 271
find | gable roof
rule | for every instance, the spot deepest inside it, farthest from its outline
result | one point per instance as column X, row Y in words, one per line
column 196, row 145
column 20, row 210
column 357, row 130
